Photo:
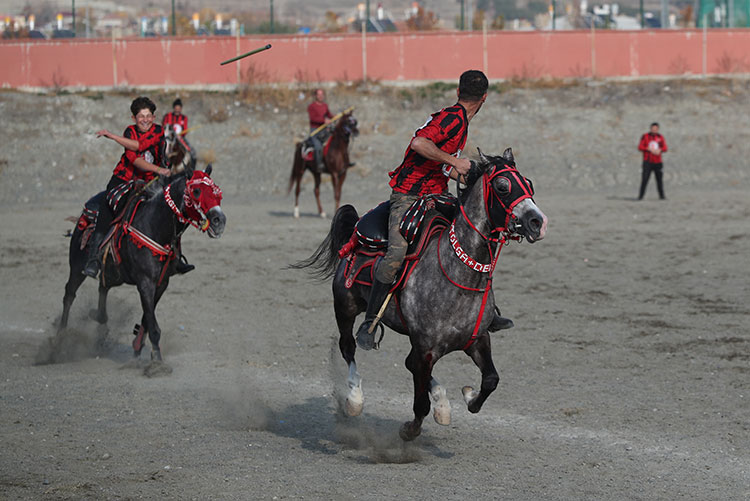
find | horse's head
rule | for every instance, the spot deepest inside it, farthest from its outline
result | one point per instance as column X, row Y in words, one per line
column 348, row 125
column 203, row 203
column 508, row 196
column 178, row 155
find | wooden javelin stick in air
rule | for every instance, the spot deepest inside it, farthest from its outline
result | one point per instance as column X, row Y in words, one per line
column 336, row 117
column 265, row 47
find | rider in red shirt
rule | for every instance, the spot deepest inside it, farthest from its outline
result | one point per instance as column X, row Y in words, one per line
column 175, row 118
column 430, row 159
column 652, row 145
column 319, row 114
column 139, row 161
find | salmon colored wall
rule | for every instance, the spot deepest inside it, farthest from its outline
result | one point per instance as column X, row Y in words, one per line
column 390, row 57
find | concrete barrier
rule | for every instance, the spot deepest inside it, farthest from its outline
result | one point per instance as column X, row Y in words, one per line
column 395, row 57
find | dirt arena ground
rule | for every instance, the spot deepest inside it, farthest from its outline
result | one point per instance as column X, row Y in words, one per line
column 626, row 376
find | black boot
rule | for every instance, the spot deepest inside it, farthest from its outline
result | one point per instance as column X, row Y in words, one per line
column 499, row 322
column 94, row 262
column 182, row 266
column 378, row 292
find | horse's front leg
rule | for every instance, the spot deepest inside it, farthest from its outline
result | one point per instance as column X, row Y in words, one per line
column 316, row 175
column 481, row 354
column 147, row 291
column 420, row 365
column 100, row 315
column 336, row 180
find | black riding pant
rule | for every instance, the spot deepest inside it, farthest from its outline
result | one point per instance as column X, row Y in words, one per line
column 649, row 167
column 105, row 217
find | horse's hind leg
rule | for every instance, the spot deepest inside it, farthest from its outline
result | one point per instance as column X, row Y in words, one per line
column 148, row 293
column 298, row 181
column 355, row 399
column 71, row 287
column 420, row 365
column 481, row 353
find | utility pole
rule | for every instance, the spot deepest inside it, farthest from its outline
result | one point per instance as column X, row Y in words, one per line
column 462, row 15
column 271, row 15
column 643, row 19
column 174, row 24
column 554, row 14
column 367, row 12
column 74, row 17
column 664, row 13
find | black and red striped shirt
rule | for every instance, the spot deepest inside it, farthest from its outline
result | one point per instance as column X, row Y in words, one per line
column 172, row 119
column 417, row 175
column 149, row 147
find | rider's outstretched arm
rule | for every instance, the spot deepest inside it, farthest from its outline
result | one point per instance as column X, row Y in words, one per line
column 129, row 144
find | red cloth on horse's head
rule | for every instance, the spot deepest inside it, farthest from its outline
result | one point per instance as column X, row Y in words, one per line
column 201, row 195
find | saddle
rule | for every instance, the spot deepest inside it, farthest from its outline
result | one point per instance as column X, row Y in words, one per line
column 424, row 220
column 308, row 150
column 119, row 200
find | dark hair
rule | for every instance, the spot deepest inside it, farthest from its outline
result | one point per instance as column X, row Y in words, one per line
column 655, row 123
column 141, row 103
column 177, row 102
column 472, row 85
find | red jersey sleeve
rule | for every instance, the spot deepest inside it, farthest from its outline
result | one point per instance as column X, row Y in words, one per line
column 663, row 144
column 328, row 113
column 437, row 128
column 129, row 154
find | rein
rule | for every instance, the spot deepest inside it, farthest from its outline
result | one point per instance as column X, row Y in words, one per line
column 182, row 218
column 503, row 236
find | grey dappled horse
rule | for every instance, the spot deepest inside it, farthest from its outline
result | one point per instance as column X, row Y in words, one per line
column 446, row 305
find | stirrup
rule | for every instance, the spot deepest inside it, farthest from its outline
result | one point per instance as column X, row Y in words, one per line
column 366, row 325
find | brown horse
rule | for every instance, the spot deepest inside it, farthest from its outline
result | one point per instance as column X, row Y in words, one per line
column 335, row 158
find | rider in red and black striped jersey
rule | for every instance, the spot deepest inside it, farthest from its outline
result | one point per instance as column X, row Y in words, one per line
column 176, row 118
column 432, row 157
column 140, row 160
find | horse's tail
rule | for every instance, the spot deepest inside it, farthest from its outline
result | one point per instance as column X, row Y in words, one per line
column 326, row 257
column 296, row 165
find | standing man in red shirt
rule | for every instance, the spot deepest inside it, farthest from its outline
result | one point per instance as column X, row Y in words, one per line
column 652, row 145
column 319, row 114
column 431, row 158
column 175, row 118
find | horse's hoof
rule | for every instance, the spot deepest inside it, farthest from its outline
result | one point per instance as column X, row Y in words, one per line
column 409, row 432
column 355, row 402
column 94, row 315
column 323, row 215
column 296, row 213
column 442, row 413
column 156, row 355
column 469, row 394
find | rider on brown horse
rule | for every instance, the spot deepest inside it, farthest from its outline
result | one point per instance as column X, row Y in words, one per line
column 319, row 115
column 431, row 158
column 140, row 162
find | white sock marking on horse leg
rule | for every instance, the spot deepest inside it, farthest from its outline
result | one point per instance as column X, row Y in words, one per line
column 323, row 214
column 355, row 400
column 296, row 212
column 440, row 404
column 469, row 394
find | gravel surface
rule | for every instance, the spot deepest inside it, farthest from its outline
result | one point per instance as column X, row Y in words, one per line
column 626, row 376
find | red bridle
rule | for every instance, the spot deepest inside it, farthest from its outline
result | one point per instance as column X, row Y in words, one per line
column 503, row 235
column 195, row 207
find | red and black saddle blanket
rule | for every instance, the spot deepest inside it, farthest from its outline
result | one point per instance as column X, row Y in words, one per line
column 308, row 152
column 424, row 220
